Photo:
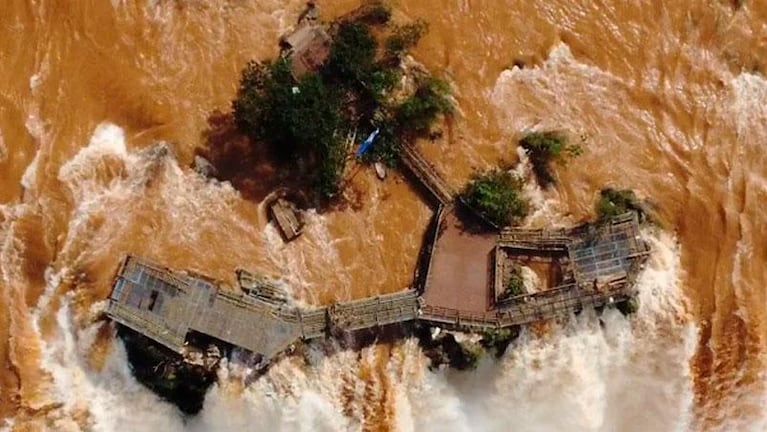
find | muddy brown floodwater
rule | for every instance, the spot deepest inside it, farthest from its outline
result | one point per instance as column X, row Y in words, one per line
column 667, row 98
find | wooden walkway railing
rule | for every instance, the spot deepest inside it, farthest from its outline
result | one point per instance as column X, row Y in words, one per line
column 526, row 309
column 426, row 175
column 534, row 239
column 164, row 304
column 374, row 312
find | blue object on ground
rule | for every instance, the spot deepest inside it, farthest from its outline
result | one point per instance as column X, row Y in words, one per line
column 367, row 143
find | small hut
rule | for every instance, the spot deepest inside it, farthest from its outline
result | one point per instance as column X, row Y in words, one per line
column 307, row 47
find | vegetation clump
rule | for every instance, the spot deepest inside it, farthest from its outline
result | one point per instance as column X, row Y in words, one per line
column 499, row 340
column 416, row 114
column 497, row 195
column 515, row 284
column 628, row 307
column 544, row 148
column 615, row 202
column 306, row 120
column 299, row 118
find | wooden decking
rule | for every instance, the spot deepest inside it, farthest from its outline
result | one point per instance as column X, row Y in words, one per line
column 460, row 273
column 287, row 218
column 167, row 305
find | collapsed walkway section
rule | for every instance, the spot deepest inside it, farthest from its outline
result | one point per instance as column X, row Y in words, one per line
column 167, row 305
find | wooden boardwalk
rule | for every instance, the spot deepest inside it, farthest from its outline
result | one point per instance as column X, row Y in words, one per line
column 601, row 261
column 526, row 309
column 423, row 171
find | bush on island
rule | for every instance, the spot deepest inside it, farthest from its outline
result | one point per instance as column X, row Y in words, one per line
column 497, row 194
column 515, row 284
column 304, row 120
column 545, row 147
column 499, row 339
column 615, row 202
column 298, row 118
column 417, row 113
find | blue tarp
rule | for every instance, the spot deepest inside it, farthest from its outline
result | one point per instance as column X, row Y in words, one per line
column 367, row 143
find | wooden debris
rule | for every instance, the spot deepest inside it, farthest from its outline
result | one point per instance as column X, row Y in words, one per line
column 287, row 218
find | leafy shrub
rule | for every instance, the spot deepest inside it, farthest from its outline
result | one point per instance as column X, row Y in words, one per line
column 417, row 113
column 497, row 195
column 515, row 284
column 545, row 147
column 615, row 202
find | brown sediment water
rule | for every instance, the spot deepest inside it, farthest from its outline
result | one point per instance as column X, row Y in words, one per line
column 667, row 98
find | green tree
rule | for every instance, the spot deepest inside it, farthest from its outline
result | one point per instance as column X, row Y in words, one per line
column 497, row 194
column 615, row 202
column 416, row 114
column 353, row 54
column 299, row 119
column 545, row 147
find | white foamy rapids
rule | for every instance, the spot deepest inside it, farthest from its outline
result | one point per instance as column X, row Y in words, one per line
column 105, row 179
column 81, row 172
column 630, row 375
column 29, row 177
column 749, row 93
column 291, row 397
column 110, row 399
column 316, row 245
column 546, row 207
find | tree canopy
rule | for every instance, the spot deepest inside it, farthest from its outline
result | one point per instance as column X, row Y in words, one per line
column 416, row 113
column 544, row 148
column 305, row 120
column 615, row 202
column 497, row 194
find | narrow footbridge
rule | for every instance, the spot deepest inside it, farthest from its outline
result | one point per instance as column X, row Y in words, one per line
column 426, row 175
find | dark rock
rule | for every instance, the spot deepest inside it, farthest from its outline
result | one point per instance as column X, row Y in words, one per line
column 167, row 373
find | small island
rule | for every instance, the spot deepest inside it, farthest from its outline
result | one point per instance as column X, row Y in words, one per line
column 477, row 271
